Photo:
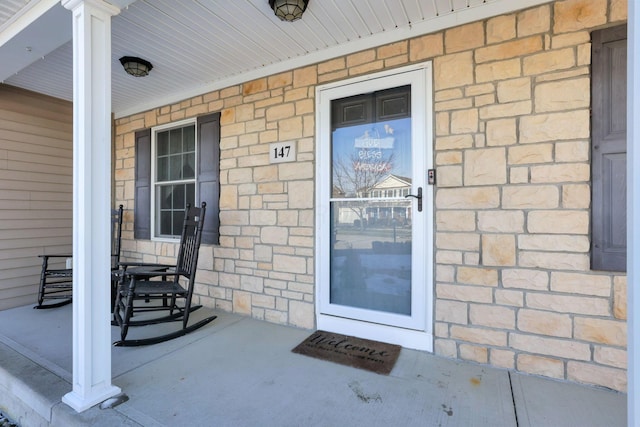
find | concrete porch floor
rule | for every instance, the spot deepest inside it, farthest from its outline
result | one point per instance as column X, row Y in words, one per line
column 238, row 371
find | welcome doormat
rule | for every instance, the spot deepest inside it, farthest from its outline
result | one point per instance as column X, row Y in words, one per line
column 351, row 351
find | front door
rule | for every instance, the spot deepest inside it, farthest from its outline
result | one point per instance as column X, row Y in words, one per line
column 375, row 208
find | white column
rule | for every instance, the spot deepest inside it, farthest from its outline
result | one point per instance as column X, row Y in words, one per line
column 633, row 213
column 91, row 203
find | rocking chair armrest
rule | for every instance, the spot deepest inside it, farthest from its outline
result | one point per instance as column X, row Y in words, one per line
column 143, row 264
column 148, row 274
column 56, row 256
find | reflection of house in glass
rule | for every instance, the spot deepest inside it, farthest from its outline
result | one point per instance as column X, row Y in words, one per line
column 379, row 204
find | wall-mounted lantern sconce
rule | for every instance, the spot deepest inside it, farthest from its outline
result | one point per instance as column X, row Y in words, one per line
column 137, row 67
column 289, row 10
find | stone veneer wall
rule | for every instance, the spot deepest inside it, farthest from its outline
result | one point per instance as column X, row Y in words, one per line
column 513, row 282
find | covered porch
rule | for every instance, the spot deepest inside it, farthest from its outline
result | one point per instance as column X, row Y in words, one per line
column 240, row 371
column 97, row 371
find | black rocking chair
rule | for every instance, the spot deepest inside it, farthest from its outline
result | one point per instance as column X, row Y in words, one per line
column 146, row 287
column 56, row 282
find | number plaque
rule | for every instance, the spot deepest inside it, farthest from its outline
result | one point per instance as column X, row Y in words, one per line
column 281, row 152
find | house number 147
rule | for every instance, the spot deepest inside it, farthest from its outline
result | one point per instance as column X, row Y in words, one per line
column 280, row 152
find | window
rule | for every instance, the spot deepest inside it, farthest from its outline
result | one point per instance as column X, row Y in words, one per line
column 176, row 165
column 609, row 150
column 173, row 177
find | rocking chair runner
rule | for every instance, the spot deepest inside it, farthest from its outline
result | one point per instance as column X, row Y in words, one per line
column 56, row 283
column 137, row 285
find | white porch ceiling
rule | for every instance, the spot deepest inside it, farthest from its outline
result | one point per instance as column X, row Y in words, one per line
column 200, row 45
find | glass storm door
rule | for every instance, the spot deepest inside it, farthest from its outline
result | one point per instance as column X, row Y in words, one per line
column 374, row 255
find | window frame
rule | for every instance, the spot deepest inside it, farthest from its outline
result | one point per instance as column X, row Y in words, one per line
column 153, row 209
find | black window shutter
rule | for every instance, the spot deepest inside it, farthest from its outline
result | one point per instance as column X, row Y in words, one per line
column 209, row 175
column 142, row 213
column 609, row 150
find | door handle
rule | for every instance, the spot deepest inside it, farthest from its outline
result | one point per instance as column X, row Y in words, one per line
column 419, row 197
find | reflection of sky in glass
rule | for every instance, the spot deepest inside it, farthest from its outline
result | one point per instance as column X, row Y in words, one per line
column 374, row 141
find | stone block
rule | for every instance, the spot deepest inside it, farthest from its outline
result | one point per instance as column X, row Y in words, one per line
column 553, row 242
column 502, row 358
column 479, row 335
column 510, row 49
column 301, row 194
column 501, row 28
column 614, row 357
column 479, row 89
column 618, row 10
column 450, row 176
column 620, row 297
column 573, row 151
column 451, row 312
column 534, row 21
column 468, row 198
column 464, row 121
column 449, row 158
column 393, row 49
column 442, row 124
column 592, row 306
column 242, row 302
column 545, row 323
column 455, row 221
column 446, row 348
column 454, row 104
column 474, row 353
column 492, row 316
column 579, row 283
column 589, row 373
column 464, row 293
column 553, row 60
column 454, row 142
column 554, row 260
column 537, row 365
column 426, row 47
column 464, row 37
column 553, row 127
column 530, row 154
column 445, row 273
column 518, row 108
column 514, row 90
column 498, row 70
column 307, row 76
column 501, row 221
column 453, row 70
column 498, row 250
column 566, row 172
column 563, row 95
column 554, row 347
column 289, row 264
column 448, row 94
column 509, row 297
column 485, row 167
column 574, row 15
column 570, row 39
column 601, row 331
column 458, row 241
column 302, row 314
column 558, row 222
column 518, row 175
column 576, row 196
column 518, row 278
column 501, row 132
column 477, row 276
column 530, row 197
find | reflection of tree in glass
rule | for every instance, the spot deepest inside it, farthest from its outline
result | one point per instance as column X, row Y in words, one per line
column 355, row 177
